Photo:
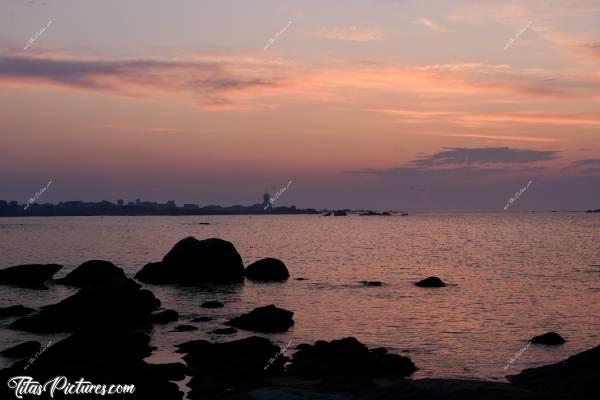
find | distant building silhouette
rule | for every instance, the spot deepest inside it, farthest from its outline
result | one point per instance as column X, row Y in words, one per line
column 266, row 200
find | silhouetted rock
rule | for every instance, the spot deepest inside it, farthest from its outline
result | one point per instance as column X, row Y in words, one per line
column 165, row 316
column 22, row 350
column 327, row 214
column 192, row 262
column 264, row 319
column 432, row 281
column 550, row 338
column 94, row 273
column 371, row 283
column 119, row 306
column 108, row 357
column 347, row 359
column 386, row 214
column 202, row 319
column 577, row 376
column 212, row 304
column 224, row 331
column 267, row 269
column 185, row 328
column 229, row 367
column 30, row 275
column 340, row 213
column 15, row 311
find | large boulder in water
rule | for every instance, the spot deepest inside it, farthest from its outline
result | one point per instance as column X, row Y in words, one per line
column 264, row 319
column 230, row 367
column 267, row 269
column 346, row 360
column 550, row 338
column 576, row 377
column 94, row 273
column 119, row 306
column 29, row 275
column 432, row 281
column 192, row 261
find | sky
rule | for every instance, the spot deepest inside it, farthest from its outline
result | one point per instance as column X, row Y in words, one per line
column 380, row 104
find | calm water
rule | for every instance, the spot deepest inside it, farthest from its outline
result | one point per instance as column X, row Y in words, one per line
column 513, row 276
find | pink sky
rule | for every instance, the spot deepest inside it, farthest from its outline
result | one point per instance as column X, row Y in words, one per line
column 390, row 104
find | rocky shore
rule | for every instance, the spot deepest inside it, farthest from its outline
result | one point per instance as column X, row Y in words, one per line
column 110, row 318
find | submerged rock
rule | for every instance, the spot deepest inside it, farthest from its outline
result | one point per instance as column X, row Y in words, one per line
column 347, row 359
column 267, row 269
column 230, row 367
column 212, row 304
column 264, row 319
column 577, row 376
column 29, row 275
column 94, row 273
column 15, row 311
column 192, row 262
column 119, row 306
column 224, row 331
column 371, row 283
column 22, row 350
column 202, row 319
column 550, row 338
column 432, row 281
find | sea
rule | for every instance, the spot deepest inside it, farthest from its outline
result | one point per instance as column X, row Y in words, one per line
column 510, row 275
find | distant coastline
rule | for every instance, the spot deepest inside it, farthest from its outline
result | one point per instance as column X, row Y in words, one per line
column 139, row 208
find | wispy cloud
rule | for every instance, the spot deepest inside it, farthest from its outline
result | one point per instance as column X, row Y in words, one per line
column 351, row 33
column 486, row 155
column 431, row 25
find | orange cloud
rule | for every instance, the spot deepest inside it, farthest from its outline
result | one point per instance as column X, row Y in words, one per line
column 351, row 33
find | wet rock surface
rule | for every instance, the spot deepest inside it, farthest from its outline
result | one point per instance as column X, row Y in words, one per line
column 267, row 270
column 431, row 282
column 123, row 304
column 347, row 360
column 550, row 339
column 264, row 319
column 29, row 275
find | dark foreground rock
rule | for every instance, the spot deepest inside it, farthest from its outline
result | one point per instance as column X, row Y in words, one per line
column 122, row 306
column 101, row 358
column 268, row 319
column 15, row 311
column 550, row 338
column 22, row 350
column 165, row 317
column 347, row 360
column 94, row 273
column 192, row 262
column 230, row 367
column 577, row 376
column 30, row 275
column 224, row 331
column 432, row 281
column 267, row 270
column 185, row 328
